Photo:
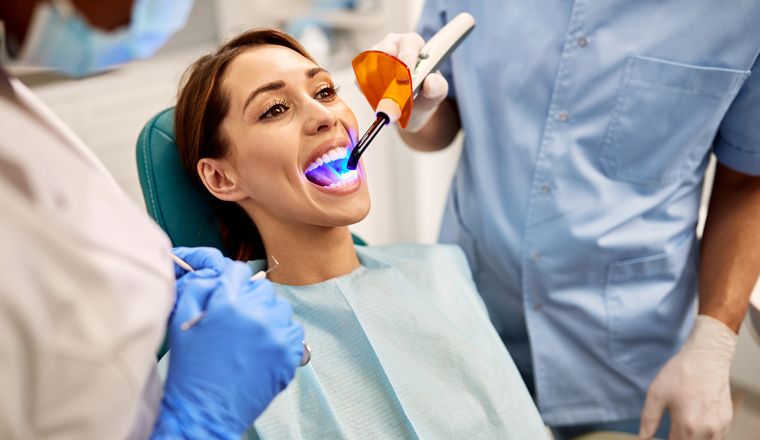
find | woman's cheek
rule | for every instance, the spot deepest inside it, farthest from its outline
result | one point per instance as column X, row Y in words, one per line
column 351, row 125
column 353, row 134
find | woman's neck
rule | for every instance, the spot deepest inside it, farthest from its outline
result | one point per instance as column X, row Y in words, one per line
column 308, row 254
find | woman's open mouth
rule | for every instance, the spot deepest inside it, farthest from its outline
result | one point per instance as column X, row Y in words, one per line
column 331, row 170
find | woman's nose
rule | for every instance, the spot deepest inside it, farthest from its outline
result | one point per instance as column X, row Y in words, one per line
column 320, row 118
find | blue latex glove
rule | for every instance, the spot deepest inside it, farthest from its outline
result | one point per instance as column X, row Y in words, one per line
column 226, row 369
column 200, row 258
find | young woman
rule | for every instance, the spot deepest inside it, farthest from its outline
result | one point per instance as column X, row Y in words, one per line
column 402, row 343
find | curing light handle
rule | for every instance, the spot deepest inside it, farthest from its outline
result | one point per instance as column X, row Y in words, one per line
column 381, row 121
column 440, row 46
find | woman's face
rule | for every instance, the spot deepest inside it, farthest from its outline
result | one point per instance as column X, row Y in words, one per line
column 290, row 136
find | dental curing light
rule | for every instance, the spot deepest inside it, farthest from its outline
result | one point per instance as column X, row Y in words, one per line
column 390, row 87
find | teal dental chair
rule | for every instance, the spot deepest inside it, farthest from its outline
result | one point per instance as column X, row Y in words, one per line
column 182, row 210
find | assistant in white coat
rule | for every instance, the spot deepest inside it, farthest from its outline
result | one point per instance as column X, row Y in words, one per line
column 86, row 286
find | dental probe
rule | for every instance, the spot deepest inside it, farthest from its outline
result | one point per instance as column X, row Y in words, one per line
column 434, row 53
column 257, row 276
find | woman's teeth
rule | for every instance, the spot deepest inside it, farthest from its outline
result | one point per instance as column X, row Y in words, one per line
column 330, row 156
column 331, row 169
column 345, row 179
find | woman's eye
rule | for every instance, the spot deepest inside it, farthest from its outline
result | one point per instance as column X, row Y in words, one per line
column 274, row 111
column 328, row 92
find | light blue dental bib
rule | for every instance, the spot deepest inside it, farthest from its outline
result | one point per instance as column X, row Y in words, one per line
column 401, row 348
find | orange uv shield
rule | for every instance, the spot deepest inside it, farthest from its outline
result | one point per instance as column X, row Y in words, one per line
column 384, row 76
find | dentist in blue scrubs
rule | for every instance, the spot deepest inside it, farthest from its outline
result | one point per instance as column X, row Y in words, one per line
column 588, row 129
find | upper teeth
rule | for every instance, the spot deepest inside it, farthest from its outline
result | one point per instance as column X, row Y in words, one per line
column 334, row 154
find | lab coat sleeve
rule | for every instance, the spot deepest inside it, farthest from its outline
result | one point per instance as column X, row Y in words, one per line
column 434, row 17
column 18, row 346
column 738, row 142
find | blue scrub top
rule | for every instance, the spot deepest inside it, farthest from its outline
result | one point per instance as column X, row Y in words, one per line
column 588, row 130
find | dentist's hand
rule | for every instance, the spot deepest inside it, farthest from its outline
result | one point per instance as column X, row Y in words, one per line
column 693, row 386
column 226, row 369
column 406, row 47
column 200, row 258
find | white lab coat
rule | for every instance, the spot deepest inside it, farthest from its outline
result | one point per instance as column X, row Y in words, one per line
column 85, row 287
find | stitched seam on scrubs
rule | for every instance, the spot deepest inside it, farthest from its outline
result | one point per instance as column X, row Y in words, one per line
column 725, row 144
column 607, row 157
column 684, row 91
column 148, row 172
column 648, row 265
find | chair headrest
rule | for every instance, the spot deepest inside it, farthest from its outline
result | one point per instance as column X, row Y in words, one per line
column 186, row 213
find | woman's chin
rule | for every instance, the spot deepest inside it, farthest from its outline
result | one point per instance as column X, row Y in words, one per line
column 350, row 210
column 345, row 204
column 358, row 214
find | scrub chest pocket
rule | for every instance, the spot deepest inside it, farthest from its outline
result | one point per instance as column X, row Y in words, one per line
column 665, row 118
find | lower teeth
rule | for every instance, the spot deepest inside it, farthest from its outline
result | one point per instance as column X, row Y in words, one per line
column 345, row 179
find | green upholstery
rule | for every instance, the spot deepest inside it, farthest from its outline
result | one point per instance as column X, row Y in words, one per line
column 175, row 203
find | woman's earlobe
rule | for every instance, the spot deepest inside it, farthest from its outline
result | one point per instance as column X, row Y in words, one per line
column 218, row 179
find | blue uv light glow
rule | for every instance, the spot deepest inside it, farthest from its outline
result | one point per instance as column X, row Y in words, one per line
column 340, row 166
column 348, row 174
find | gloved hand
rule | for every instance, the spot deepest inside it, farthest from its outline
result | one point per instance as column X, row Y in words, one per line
column 200, row 258
column 406, row 47
column 693, row 386
column 225, row 369
column 197, row 258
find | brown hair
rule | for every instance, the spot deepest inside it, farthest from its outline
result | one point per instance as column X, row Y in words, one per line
column 201, row 107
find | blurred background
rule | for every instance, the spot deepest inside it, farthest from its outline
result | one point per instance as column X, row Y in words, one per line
column 408, row 189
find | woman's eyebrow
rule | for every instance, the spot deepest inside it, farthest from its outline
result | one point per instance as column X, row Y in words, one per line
column 311, row 73
column 277, row 85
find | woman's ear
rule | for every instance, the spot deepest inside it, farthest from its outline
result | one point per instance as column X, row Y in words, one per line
column 220, row 179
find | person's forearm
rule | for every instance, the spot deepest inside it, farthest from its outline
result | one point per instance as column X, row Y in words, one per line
column 439, row 132
column 730, row 252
